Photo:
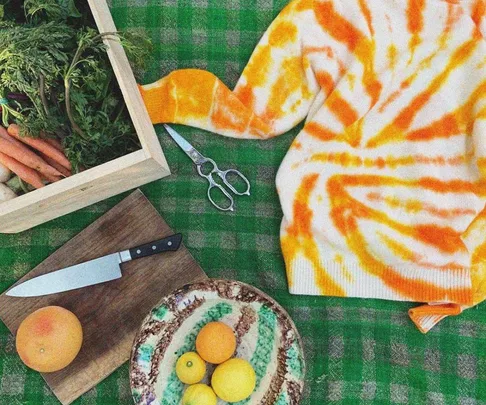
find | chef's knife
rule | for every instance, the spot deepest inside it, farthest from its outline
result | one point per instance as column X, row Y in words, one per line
column 95, row 271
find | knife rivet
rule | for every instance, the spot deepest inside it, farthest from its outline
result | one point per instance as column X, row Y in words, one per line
column 169, row 243
column 154, row 247
column 139, row 251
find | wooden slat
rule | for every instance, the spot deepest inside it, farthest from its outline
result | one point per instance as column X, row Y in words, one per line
column 127, row 83
column 78, row 191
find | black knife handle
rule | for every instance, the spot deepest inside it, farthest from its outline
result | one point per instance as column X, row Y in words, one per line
column 171, row 243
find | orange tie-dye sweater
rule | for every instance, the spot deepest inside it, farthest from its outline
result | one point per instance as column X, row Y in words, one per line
column 383, row 191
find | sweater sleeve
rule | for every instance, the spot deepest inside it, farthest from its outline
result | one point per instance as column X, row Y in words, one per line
column 426, row 316
column 273, row 94
column 474, row 238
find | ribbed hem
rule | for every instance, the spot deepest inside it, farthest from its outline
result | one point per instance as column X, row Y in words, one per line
column 427, row 316
column 442, row 286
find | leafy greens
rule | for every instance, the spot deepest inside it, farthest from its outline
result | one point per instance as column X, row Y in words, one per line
column 56, row 79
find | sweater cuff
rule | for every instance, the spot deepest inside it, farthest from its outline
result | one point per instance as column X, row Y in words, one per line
column 427, row 316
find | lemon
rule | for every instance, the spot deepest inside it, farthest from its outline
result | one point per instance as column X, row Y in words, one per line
column 190, row 368
column 234, row 380
column 199, row 394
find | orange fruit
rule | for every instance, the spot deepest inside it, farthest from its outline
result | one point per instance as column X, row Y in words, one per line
column 216, row 342
column 49, row 339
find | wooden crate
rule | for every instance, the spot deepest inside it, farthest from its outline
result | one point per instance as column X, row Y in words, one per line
column 108, row 179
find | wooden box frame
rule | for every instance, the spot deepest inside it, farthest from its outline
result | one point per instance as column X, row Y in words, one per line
column 111, row 178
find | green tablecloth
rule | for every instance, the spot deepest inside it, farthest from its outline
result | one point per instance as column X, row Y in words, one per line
column 358, row 351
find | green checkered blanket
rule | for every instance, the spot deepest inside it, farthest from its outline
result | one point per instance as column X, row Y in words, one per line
column 358, row 351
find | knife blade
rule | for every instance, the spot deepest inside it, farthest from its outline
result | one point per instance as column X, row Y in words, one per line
column 101, row 270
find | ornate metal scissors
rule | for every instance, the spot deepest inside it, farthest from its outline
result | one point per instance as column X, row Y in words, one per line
column 200, row 160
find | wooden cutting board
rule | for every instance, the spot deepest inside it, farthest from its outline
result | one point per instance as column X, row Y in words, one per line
column 111, row 313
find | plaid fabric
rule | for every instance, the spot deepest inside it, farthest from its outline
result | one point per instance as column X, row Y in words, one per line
column 358, row 351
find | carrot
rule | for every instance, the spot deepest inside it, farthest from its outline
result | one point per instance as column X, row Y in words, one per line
column 40, row 145
column 60, row 168
column 55, row 143
column 50, row 179
column 4, row 134
column 24, row 172
column 24, row 155
column 51, row 172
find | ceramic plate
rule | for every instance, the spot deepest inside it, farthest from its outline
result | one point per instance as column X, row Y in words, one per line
column 266, row 337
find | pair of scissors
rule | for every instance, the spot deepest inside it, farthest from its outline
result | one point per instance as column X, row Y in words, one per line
column 200, row 160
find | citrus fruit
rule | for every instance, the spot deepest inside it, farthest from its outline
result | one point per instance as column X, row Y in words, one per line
column 190, row 368
column 216, row 342
column 49, row 339
column 199, row 394
column 234, row 380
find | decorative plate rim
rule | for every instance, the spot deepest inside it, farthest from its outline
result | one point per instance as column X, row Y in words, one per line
column 199, row 285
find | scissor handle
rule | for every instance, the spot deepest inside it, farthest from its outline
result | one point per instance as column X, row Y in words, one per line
column 213, row 184
column 224, row 174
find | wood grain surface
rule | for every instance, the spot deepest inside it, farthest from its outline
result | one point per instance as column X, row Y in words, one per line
column 111, row 313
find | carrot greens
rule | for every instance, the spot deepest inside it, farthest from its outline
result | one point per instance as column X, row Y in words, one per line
column 56, row 79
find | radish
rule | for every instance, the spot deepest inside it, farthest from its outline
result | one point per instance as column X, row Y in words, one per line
column 6, row 194
column 5, row 173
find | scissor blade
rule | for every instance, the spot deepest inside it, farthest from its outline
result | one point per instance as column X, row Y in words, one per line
column 82, row 275
column 184, row 145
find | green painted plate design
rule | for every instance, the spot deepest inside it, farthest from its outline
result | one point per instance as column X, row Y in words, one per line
column 266, row 337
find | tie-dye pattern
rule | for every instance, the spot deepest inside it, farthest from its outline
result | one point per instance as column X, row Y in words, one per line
column 384, row 190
